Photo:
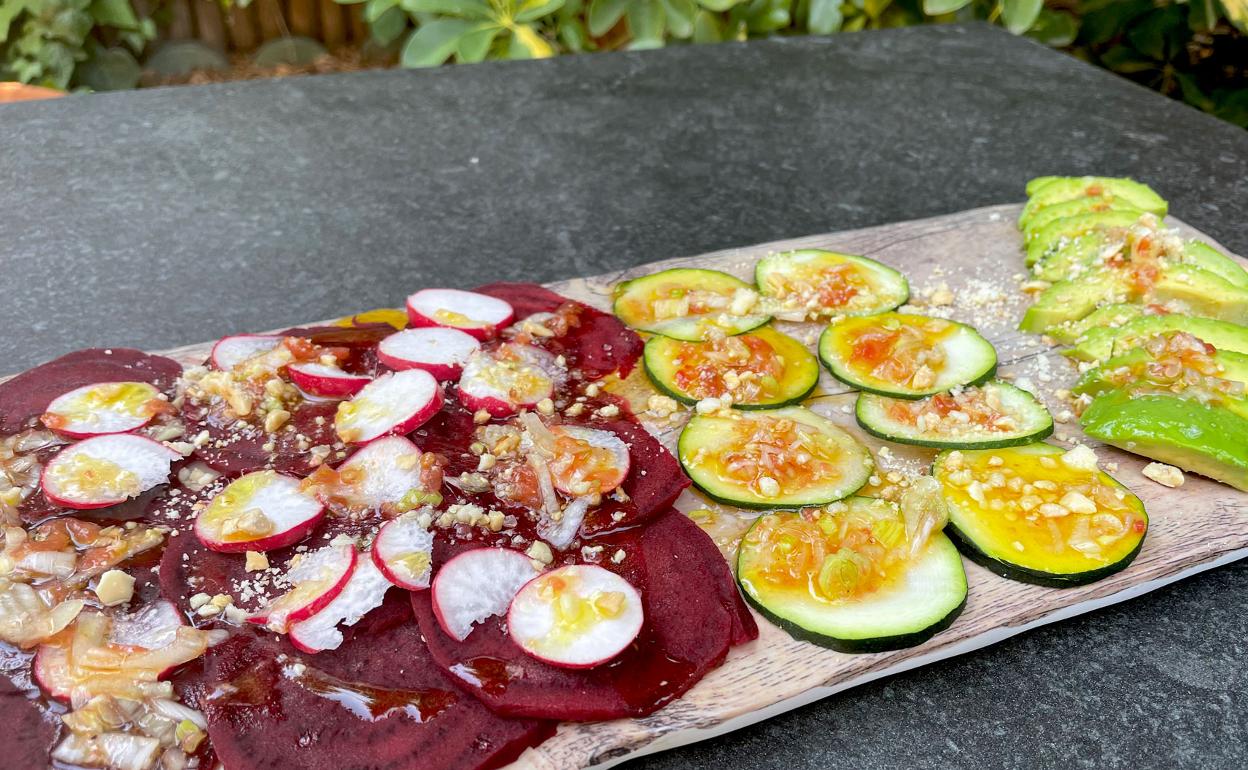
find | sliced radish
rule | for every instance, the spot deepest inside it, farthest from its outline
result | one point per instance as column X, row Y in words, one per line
column 508, row 379
column 440, row 351
column 317, row 577
column 104, row 407
column 259, row 511
column 577, row 616
column 364, row 591
column 587, row 460
column 326, row 381
column 476, row 585
column 477, row 314
column 232, row 351
column 403, row 551
column 106, row 470
column 51, row 670
column 380, row 475
column 398, row 402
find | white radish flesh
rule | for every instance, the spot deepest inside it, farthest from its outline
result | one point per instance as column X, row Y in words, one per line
column 506, row 380
column 366, row 590
column 440, row 351
column 477, row 314
column 106, row 470
column 326, row 381
column 380, row 475
column 577, row 616
column 477, row 585
column 317, row 578
column 403, row 551
column 393, row 403
column 232, row 351
column 103, row 408
column 259, row 511
column 592, row 462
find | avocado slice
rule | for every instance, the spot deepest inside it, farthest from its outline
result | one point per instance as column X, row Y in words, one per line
column 1100, row 343
column 1067, row 301
column 1061, row 232
column 1184, row 432
column 1128, row 191
column 1034, row 185
column 1233, row 366
column 1179, row 287
column 1107, row 316
column 1084, row 252
column 1071, row 208
column 1206, row 257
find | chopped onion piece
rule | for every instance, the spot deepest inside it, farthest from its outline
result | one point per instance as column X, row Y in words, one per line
column 560, row 534
column 117, row 751
column 26, row 619
column 924, row 510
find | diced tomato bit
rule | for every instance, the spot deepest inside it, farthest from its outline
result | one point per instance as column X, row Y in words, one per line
column 874, row 346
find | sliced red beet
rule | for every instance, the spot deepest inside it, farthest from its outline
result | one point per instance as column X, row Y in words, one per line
column 599, row 345
column 242, row 451
column 691, row 620
column 27, row 395
column 29, row 732
column 376, row 702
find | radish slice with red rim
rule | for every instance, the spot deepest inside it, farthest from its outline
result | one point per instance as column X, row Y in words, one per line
column 259, row 511
column 366, row 590
column 104, row 407
column 477, row 585
column 384, row 475
column 317, row 578
column 477, row 314
column 588, row 461
column 50, row 670
column 398, row 402
column 232, row 351
column 511, row 378
column 403, row 551
column 326, row 381
column 438, row 350
column 106, row 470
column 577, row 616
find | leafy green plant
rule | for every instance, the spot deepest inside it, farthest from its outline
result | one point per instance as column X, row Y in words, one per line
column 48, row 42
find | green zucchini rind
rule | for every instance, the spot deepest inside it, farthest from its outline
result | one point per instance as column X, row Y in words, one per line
column 889, row 288
column 1034, row 421
column 925, row 602
column 801, row 373
column 638, row 293
column 972, row 359
column 715, row 434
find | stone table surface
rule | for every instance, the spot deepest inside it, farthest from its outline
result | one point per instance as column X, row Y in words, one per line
column 169, row 216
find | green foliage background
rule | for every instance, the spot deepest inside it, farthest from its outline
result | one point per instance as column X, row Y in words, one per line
column 1194, row 50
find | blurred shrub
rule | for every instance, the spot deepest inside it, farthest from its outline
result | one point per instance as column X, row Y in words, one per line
column 45, row 42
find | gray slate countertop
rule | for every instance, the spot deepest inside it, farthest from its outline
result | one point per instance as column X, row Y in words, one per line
column 169, row 216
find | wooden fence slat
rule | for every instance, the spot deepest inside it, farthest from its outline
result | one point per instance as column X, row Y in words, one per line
column 210, row 23
column 244, row 28
column 272, row 23
column 333, row 25
column 304, row 17
column 359, row 27
column 181, row 20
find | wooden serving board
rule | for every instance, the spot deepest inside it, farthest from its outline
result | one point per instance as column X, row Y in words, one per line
column 978, row 255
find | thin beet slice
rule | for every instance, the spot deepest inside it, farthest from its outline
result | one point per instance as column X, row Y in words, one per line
column 599, row 345
column 690, row 623
column 29, row 732
column 26, row 396
column 243, row 450
column 376, row 703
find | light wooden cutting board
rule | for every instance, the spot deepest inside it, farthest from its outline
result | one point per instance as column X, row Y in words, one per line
column 978, row 255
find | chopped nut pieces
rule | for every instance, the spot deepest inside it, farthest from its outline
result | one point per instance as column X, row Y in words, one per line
column 115, row 587
column 1166, row 475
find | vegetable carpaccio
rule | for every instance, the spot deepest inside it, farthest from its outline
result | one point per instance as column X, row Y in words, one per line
column 353, row 671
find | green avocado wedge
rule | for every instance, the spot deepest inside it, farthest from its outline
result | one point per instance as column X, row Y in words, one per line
column 1110, row 374
column 1106, row 316
column 1034, row 185
column 1061, row 189
column 1180, row 287
column 1202, row 255
column 1071, row 208
column 1183, row 432
column 1100, row 343
column 1060, row 232
column 1084, row 254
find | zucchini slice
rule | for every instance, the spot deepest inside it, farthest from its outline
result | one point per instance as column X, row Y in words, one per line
column 778, row 458
column 812, row 283
column 1040, row 514
column 995, row 414
column 799, row 570
column 688, row 304
column 906, row 356
column 762, row 369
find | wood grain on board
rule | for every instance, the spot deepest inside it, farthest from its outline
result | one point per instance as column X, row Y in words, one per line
column 978, row 255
